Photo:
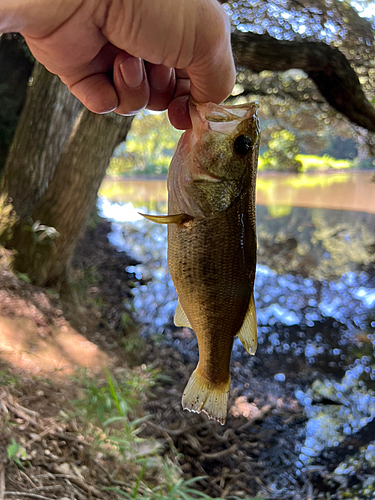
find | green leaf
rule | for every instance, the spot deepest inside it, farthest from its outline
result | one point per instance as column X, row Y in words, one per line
column 13, row 449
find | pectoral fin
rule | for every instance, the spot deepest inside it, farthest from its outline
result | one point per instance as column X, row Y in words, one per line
column 167, row 219
column 180, row 318
column 248, row 332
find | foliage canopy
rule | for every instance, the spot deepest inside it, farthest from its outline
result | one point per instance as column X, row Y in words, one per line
column 298, row 59
column 148, row 149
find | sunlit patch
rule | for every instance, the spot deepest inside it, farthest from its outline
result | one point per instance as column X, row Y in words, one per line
column 58, row 353
column 243, row 408
column 119, row 212
column 367, row 295
column 352, row 408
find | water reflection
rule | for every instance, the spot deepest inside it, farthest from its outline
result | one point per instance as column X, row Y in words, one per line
column 281, row 298
column 280, row 192
column 348, row 406
column 146, row 242
column 315, row 300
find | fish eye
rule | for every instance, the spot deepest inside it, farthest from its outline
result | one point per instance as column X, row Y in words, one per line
column 243, row 144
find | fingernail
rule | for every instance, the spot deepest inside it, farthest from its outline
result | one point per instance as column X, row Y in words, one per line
column 132, row 72
column 160, row 77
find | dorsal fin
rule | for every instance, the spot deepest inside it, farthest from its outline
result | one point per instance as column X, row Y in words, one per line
column 248, row 331
column 180, row 318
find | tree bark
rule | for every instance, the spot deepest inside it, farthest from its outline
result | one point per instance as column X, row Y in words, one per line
column 43, row 129
column 325, row 65
column 15, row 69
column 70, row 197
column 54, row 169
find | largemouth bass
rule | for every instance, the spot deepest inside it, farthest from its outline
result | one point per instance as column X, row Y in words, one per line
column 212, row 243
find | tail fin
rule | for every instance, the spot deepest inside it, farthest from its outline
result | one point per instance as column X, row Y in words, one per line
column 202, row 395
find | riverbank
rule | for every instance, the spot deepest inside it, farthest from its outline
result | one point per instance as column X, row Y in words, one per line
column 65, row 371
column 76, row 437
column 315, row 352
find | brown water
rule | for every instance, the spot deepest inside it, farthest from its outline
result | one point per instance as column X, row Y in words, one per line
column 354, row 191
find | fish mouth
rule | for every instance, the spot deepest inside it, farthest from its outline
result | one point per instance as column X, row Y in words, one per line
column 219, row 118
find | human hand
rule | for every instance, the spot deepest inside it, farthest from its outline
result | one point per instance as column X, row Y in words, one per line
column 129, row 54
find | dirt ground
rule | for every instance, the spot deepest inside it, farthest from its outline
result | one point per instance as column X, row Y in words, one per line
column 44, row 341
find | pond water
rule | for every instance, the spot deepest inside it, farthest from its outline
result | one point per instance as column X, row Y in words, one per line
column 340, row 191
column 314, row 295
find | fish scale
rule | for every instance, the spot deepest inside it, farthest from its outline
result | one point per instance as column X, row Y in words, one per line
column 210, row 253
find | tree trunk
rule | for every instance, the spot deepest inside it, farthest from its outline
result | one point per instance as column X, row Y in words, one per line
column 43, row 129
column 70, row 198
column 16, row 65
column 55, row 167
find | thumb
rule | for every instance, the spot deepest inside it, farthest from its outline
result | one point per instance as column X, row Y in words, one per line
column 212, row 72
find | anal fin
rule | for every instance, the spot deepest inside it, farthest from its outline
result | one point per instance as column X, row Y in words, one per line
column 248, row 331
column 180, row 318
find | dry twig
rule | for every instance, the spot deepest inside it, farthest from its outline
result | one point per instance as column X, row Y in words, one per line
column 28, row 479
column 184, row 429
column 21, row 413
column 23, row 494
column 109, row 476
column 221, row 453
column 78, row 482
column 2, row 482
column 46, row 431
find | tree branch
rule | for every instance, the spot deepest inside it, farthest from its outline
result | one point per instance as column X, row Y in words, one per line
column 286, row 87
column 326, row 66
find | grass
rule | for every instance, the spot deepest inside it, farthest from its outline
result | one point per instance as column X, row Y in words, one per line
column 112, row 414
column 108, row 413
column 7, row 378
column 109, row 416
column 15, row 452
column 173, row 488
column 311, row 163
column 109, row 399
column 270, row 184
